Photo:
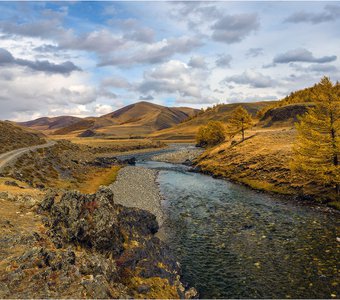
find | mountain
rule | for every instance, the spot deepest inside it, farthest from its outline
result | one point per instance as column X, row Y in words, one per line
column 138, row 119
column 14, row 137
column 50, row 124
column 221, row 112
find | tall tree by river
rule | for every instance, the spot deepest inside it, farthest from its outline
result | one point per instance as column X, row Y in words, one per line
column 317, row 149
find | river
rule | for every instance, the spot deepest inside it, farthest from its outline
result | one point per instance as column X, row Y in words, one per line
column 234, row 242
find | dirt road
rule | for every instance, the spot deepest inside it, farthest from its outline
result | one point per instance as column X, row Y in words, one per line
column 11, row 156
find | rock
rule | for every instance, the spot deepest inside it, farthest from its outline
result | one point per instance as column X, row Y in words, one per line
column 130, row 161
column 97, row 288
column 143, row 289
column 188, row 162
column 104, row 162
column 191, row 294
column 87, row 133
column 11, row 183
column 90, row 220
column 100, row 245
column 48, row 201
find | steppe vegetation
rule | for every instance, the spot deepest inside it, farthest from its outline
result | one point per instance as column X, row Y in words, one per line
column 14, row 137
column 302, row 161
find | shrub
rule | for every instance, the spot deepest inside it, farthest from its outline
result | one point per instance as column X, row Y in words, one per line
column 211, row 134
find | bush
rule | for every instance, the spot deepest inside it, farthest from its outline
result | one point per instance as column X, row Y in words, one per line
column 211, row 134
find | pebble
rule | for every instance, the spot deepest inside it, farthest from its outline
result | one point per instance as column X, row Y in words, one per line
column 137, row 187
column 179, row 157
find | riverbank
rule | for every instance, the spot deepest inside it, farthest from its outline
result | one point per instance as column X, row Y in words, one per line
column 182, row 156
column 262, row 162
column 137, row 187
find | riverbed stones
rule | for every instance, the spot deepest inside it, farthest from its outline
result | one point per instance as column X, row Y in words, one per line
column 183, row 156
column 137, row 187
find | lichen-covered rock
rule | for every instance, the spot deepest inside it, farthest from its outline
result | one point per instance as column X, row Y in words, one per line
column 96, row 222
column 126, row 234
column 92, row 248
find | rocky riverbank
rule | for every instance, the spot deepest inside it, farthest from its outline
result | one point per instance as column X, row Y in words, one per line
column 84, row 246
column 137, row 187
column 182, row 156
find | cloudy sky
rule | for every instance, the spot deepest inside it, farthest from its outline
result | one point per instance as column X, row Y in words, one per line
column 90, row 58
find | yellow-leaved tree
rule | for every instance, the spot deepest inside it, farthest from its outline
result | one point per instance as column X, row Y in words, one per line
column 317, row 147
column 239, row 121
column 211, row 134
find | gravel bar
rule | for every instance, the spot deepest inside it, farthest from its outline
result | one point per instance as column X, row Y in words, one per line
column 137, row 187
column 180, row 156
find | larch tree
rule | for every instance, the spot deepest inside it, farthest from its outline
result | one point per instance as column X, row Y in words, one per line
column 239, row 121
column 316, row 158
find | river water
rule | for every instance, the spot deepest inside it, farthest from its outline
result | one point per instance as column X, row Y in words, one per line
column 234, row 242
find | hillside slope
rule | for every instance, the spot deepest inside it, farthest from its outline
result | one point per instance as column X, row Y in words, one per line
column 138, row 119
column 14, row 137
column 187, row 130
column 284, row 116
column 50, row 124
column 261, row 161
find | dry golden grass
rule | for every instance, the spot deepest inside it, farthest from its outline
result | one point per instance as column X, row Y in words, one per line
column 261, row 161
column 94, row 180
column 23, row 189
column 15, row 221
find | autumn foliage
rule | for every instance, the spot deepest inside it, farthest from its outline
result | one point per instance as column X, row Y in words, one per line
column 317, row 147
column 211, row 134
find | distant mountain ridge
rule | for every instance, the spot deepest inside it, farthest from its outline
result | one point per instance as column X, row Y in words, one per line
column 46, row 123
column 140, row 118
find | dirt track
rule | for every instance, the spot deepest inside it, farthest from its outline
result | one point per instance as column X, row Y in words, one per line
column 11, row 156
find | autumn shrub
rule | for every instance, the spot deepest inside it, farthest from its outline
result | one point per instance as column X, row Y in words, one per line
column 211, row 134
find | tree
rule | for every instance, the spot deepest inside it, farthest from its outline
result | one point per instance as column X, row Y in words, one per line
column 317, row 146
column 239, row 121
column 211, row 134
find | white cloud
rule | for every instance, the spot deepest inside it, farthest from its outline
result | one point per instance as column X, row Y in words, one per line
column 251, row 78
column 173, row 77
column 103, row 109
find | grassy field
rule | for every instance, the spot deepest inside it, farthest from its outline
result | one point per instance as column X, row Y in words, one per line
column 261, row 161
column 111, row 144
column 97, row 178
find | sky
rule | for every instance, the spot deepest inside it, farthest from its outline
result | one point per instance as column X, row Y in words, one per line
column 91, row 58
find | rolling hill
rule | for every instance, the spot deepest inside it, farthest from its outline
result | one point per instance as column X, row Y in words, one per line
column 14, row 137
column 187, row 130
column 138, row 119
column 50, row 124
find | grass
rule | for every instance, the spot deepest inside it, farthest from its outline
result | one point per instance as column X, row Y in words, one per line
column 23, row 188
column 96, row 179
column 261, row 161
column 160, row 288
column 265, row 186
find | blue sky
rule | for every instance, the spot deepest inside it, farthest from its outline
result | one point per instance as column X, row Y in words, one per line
column 90, row 58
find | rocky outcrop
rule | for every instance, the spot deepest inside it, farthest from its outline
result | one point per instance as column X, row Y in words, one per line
column 87, row 133
column 94, row 248
column 286, row 114
column 94, row 221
